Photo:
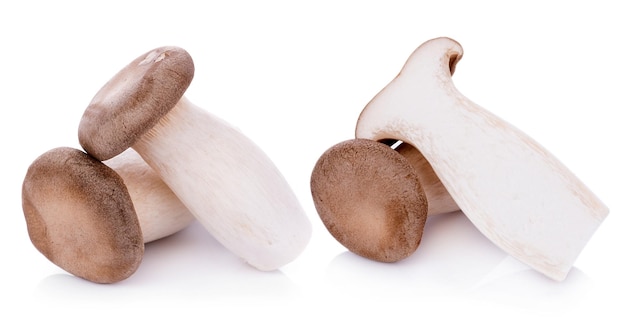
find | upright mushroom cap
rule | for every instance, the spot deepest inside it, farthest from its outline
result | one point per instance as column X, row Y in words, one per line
column 81, row 217
column 134, row 100
column 370, row 199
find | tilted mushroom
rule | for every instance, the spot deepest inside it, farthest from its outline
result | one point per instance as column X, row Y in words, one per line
column 374, row 199
column 512, row 189
column 228, row 183
column 93, row 222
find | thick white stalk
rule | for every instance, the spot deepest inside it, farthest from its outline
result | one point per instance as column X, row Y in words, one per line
column 513, row 190
column 439, row 200
column 159, row 211
column 229, row 184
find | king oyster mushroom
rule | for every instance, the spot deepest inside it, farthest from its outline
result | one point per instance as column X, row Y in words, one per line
column 512, row 189
column 375, row 199
column 92, row 221
column 228, row 183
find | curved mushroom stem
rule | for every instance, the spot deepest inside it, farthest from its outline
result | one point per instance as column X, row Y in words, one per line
column 229, row 184
column 512, row 189
column 159, row 211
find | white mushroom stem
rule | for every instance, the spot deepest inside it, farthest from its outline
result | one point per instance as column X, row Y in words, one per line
column 159, row 211
column 439, row 200
column 514, row 191
column 229, row 184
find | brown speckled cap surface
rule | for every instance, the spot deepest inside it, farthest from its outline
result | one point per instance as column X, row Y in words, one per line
column 370, row 199
column 80, row 216
column 134, row 100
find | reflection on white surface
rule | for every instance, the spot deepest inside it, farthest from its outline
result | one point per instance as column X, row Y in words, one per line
column 523, row 288
column 456, row 263
column 189, row 265
column 454, row 268
column 453, row 261
column 452, row 254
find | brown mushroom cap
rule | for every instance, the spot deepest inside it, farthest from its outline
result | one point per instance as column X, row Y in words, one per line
column 80, row 216
column 134, row 100
column 370, row 199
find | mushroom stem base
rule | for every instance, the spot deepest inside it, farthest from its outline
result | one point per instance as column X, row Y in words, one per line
column 229, row 184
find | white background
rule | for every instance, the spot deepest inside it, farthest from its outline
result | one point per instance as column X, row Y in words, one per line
column 294, row 76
